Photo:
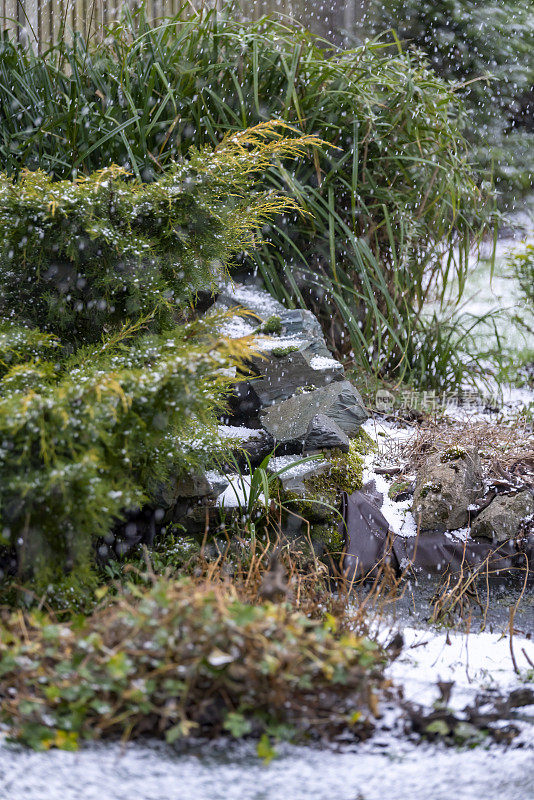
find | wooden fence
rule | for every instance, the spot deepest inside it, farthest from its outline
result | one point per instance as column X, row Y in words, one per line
column 41, row 22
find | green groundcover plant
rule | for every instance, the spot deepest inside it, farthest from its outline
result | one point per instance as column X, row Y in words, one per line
column 181, row 659
column 394, row 205
column 522, row 266
column 107, row 389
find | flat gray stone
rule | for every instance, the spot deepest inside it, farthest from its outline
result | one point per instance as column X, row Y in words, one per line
column 501, row 520
column 294, row 479
column 288, row 421
column 325, row 434
column 282, row 374
column 207, row 484
column 299, row 322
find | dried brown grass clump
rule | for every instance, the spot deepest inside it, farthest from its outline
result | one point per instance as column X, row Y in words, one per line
column 181, row 658
column 506, row 450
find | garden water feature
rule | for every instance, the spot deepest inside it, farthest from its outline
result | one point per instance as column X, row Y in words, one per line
column 478, row 658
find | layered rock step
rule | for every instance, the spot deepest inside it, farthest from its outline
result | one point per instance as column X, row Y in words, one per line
column 297, row 401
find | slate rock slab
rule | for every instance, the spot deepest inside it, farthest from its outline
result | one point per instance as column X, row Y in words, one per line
column 205, row 484
column 501, row 520
column 447, row 484
column 301, row 323
column 282, row 373
column 325, row 434
column 256, row 448
column 288, row 422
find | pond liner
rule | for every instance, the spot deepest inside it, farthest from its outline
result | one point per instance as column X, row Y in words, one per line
column 370, row 543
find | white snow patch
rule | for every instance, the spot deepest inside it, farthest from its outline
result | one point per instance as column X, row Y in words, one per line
column 374, row 771
column 322, row 362
column 271, row 343
column 398, row 514
column 256, row 300
column 237, row 493
column 295, row 471
column 236, row 432
column 473, row 661
column 236, row 328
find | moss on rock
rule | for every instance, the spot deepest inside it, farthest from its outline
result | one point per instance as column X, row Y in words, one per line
column 272, row 326
column 453, row 454
column 399, row 488
column 280, row 352
column 319, row 504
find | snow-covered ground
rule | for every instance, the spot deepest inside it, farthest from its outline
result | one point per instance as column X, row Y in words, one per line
column 389, row 765
column 397, row 770
column 473, row 661
column 491, row 291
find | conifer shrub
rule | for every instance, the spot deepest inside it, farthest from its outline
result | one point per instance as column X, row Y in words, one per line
column 106, row 389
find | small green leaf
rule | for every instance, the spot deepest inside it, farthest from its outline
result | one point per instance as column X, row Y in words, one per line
column 237, row 725
column 265, row 750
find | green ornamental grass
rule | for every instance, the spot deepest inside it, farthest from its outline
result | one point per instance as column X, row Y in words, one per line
column 393, row 208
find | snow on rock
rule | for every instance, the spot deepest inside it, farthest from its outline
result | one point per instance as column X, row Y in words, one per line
column 241, row 434
column 322, row 362
column 266, row 344
column 251, row 298
column 236, row 494
column 297, row 468
column 236, row 327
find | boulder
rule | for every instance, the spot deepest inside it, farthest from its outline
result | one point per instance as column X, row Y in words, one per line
column 251, row 298
column 325, row 434
column 446, row 487
column 288, row 421
column 208, row 485
column 256, row 448
column 502, row 519
column 284, row 369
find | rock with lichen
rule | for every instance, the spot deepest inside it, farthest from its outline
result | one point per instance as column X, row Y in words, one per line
column 289, row 420
column 447, row 485
column 314, row 491
column 502, row 519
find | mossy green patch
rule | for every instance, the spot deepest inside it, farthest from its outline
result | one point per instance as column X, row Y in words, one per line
column 280, row 352
column 320, row 504
column 453, row 454
column 330, row 537
column 430, row 487
column 272, row 326
column 398, row 488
